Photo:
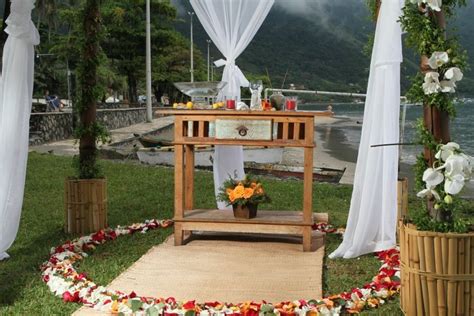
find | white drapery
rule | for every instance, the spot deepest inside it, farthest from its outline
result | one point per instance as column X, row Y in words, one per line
column 373, row 213
column 16, row 90
column 231, row 25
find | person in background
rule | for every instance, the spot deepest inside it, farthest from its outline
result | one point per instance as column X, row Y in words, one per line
column 329, row 109
column 53, row 102
column 165, row 101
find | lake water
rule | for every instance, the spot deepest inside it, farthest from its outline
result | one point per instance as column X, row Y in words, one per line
column 462, row 127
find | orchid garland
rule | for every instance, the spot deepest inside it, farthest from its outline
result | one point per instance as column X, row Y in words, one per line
column 442, row 65
column 64, row 281
column 447, row 177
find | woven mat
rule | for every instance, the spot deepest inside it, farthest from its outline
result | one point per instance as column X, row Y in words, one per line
column 226, row 269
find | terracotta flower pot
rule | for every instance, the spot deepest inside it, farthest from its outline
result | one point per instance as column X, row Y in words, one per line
column 247, row 211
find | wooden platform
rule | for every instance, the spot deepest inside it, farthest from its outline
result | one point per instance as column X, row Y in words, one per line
column 266, row 222
column 227, row 268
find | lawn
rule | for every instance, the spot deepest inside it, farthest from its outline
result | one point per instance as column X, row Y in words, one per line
column 137, row 193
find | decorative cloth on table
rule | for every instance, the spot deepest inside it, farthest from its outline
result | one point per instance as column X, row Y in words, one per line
column 231, row 25
column 16, row 91
column 373, row 213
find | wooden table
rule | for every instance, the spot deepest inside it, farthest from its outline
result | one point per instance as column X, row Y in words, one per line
column 216, row 127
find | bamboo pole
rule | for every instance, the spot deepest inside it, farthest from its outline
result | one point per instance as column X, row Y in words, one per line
column 452, row 267
column 403, row 262
column 471, row 307
column 419, row 286
column 467, row 266
column 430, row 267
column 460, row 284
column 422, row 281
column 440, row 288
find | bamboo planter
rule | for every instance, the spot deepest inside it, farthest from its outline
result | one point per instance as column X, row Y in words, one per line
column 437, row 272
column 85, row 206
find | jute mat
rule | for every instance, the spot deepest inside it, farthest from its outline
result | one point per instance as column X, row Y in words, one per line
column 226, row 268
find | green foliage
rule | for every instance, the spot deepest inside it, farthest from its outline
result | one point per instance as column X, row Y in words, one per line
column 419, row 168
column 243, row 192
column 372, row 5
column 458, row 223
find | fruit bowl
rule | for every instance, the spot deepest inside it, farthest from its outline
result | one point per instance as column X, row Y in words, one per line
column 202, row 89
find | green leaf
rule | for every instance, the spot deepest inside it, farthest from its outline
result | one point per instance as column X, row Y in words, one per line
column 190, row 313
column 266, row 308
column 153, row 311
column 136, row 305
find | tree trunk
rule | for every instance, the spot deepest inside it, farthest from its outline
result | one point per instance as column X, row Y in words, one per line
column 87, row 147
column 132, row 88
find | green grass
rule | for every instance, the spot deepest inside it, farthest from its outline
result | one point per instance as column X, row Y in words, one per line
column 137, row 193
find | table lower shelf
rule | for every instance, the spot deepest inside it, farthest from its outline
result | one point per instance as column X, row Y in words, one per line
column 266, row 222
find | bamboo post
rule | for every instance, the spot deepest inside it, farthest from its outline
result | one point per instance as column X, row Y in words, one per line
column 452, row 267
column 460, row 284
column 421, row 280
column 440, row 288
column 430, row 267
column 471, row 308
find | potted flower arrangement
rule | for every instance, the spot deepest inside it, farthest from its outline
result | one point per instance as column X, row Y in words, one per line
column 436, row 243
column 243, row 195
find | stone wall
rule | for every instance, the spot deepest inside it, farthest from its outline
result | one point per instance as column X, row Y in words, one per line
column 54, row 126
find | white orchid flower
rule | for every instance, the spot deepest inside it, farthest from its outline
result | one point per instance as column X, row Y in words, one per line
column 454, row 184
column 433, row 4
column 454, row 74
column 447, row 86
column 429, row 192
column 438, row 59
column 447, row 150
column 432, row 177
column 431, row 84
column 455, row 164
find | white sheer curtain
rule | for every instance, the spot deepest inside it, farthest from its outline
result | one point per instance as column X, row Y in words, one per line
column 231, row 25
column 16, row 90
column 373, row 212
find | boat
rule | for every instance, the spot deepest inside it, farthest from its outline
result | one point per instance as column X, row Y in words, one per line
column 287, row 171
column 153, row 142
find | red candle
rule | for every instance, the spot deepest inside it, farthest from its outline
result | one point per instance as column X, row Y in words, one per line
column 290, row 105
column 230, row 104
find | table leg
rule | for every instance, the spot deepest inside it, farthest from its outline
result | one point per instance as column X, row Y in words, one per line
column 307, row 239
column 178, row 234
column 308, row 197
column 189, row 178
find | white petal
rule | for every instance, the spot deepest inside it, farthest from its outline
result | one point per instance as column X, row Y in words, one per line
column 454, row 165
column 454, row 184
column 432, row 177
column 438, row 59
column 447, row 86
column 436, row 195
column 423, row 193
column 454, row 74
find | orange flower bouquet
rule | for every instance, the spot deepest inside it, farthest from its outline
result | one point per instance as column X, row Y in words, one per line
column 243, row 195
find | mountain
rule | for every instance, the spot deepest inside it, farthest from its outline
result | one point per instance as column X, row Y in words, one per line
column 321, row 44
